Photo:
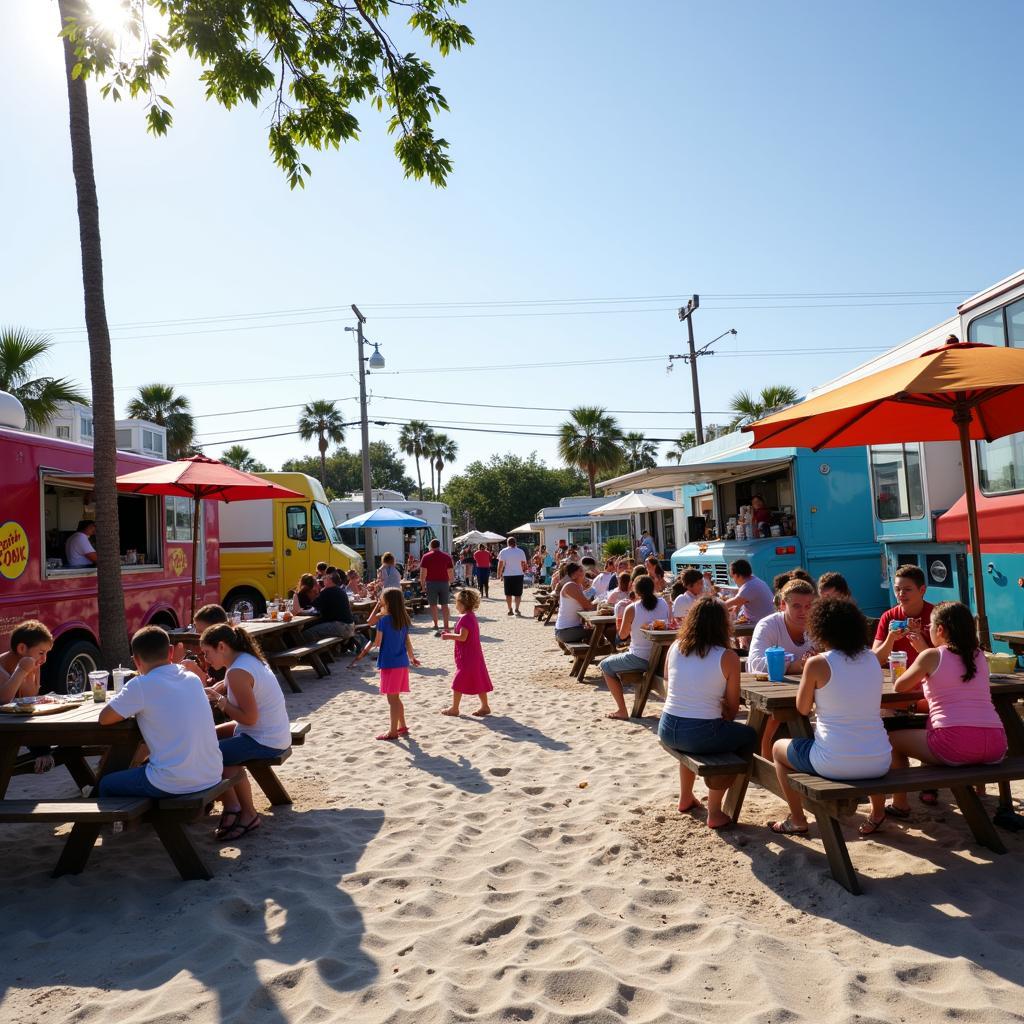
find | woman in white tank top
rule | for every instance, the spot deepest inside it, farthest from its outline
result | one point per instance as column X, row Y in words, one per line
column 703, row 684
column 251, row 699
column 569, row 626
column 844, row 685
column 637, row 616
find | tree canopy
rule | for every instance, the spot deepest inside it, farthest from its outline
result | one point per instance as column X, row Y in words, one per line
column 307, row 63
column 241, row 458
column 508, row 490
column 344, row 473
column 160, row 404
column 591, row 440
column 40, row 396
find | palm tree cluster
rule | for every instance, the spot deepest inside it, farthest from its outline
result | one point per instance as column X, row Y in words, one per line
column 159, row 404
column 322, row 420
column 39, row 396
column 419, row 440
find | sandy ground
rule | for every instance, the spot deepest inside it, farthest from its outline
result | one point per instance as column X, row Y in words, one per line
column 465, row 875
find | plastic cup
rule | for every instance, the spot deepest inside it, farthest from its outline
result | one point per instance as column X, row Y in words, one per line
column 98, row 685
column 776, row 658
column 120, row 674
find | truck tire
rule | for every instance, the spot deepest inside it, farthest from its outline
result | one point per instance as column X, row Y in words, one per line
column 245, row 599
column 71, row 662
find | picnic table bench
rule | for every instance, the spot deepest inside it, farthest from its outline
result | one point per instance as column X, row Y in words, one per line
column 311, row 652
column 601, row 642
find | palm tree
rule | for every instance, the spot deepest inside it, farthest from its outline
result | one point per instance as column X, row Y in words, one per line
column 749, row 408
column 110, row 595
column 590, row 440
column 638, row 452
column 322, row 420
column 239, row 457
column 40, row 396
column 160, row 405
column 412, row 440
column 681, row 445
column 442, row 452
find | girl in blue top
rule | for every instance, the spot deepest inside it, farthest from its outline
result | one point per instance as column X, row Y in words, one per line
column 394, row 655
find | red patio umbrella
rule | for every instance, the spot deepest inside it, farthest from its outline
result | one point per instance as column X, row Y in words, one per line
column 200, row 477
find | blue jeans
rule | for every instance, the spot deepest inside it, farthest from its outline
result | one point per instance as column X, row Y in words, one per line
column 131, row 782
column 240, row 748
column 707, row 736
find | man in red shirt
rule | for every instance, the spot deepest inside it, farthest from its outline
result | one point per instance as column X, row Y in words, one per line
column 909, row 588
column 437, row 574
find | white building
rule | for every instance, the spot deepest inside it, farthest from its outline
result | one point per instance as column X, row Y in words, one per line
column 73, row 422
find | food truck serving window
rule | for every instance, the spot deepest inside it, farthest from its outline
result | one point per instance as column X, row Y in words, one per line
column 67, row 501
column 896, row 481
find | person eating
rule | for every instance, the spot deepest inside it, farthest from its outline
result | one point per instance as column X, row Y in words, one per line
column 20, row 670
column 691, row 585
column 786, row 628
column 305, row 594
column 569, row 627
column 912, row 612
column 754, row 597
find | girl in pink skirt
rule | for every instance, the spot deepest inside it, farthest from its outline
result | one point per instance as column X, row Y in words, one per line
column 470, row 671
column 394, row 655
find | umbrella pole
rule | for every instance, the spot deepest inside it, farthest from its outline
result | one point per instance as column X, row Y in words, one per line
column 962, row 417
column 195, row 549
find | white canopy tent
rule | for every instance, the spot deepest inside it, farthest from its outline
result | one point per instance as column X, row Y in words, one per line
column 637, row 501
column 480, row 537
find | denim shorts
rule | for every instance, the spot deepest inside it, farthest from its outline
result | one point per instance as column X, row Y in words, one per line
column 706, row 735
column 240, row 748
column 617, row 664
column 798, row 754
column 571, row 634
column 132, row 782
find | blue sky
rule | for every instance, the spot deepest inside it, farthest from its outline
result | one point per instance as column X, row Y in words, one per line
column 602, row 152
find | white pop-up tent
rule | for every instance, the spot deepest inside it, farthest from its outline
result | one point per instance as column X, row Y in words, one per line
column 636, row 501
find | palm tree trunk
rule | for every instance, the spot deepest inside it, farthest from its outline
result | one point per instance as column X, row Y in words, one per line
column 431, row 477
column 113, row 629
column 439, row 482
column 592, row 476
column 323, row 461
column 419, row 477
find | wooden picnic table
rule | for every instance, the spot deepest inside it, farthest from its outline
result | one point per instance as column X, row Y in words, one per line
column 601, row 639
column 361, row 608
column 1014, row 638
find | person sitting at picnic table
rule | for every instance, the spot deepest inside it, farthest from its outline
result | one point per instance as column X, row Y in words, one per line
column 691, row 590
column 590, row 572
column 702, row 697
column 569, row 627
column 843, row 685
column 786, row 628
column 754, row 597
column 305, row 594
column 639, row 615
column 331, row 604
column 963, row 724
column 258, row 725
column 482, row 561
column 170, row 706
column 208, row 615
column 412, row 565
column 621, row 592
column 604, row 580
column 354, row 584
column 321, row 568
column 833, row 584
column 20, row 671
column 655, row 571
column 387, row 575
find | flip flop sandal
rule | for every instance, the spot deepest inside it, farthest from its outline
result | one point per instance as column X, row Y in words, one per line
column 224, row 826
column 401, row 732
column 233, row 835
column 787, row 828
column 899, row 813
column 870, row 827
column 930, row 797
column 387, row 736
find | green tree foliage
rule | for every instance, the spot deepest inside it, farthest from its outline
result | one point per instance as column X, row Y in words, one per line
column 344, row 472
column 508, row 490
column 309, row 63
column 442, row 451
column 40, row 396
column 590, row 440
column 413, row 439
column 638, row 452
column 322, row 420
column 241, row 458
column 159, row 404
column 680, row 446
column 749, row 407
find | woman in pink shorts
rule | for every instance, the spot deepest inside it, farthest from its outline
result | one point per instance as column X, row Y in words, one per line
column 963, row 725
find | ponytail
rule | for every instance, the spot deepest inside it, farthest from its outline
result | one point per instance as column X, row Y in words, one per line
column 235, row 637
column 644, row 588
column 958, row 622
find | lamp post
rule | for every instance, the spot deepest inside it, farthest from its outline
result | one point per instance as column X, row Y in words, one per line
column 375, row 362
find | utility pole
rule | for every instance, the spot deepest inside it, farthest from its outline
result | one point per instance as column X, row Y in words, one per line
column 364, row 427
column 686, row 313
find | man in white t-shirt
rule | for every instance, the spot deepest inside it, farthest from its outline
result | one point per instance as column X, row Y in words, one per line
column 78, row 550
column 511, row 569
column 174, row 716
column 786, row 629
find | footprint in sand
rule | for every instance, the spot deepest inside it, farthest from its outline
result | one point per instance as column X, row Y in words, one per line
column 499, row 771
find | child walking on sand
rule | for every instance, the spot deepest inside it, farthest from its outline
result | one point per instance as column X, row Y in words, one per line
column 470, row 670
column 394, row 656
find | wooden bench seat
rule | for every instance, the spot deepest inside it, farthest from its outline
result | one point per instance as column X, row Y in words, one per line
column 308, row 654
column 169, row 818
column 828, row 800
column 709, row 765
column 105, row 809
column 300, row 730
column 262, row 769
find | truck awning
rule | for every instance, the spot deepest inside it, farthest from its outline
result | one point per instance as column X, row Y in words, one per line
column 698, row 473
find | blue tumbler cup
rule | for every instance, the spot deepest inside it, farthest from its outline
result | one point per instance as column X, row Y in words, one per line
column 776, row 658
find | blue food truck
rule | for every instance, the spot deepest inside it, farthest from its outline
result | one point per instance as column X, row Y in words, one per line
column 820, row 505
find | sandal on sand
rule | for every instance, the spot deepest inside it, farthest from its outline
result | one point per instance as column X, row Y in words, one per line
column 929, row 797
column 228, row 822
column 403, row 730
column 899, row 813
column 870, row 827
column 387, row 736
column 240, row 830
column 787, row 828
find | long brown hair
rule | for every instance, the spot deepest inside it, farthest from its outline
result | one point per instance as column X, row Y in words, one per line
column 706, row 626
column 394, row 601
column 235, row 637
column 958, row 622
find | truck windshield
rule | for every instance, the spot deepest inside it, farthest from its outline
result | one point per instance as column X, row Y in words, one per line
column 323, row 524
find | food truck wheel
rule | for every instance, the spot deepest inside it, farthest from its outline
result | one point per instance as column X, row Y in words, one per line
column 73, row 662
column 245, row 599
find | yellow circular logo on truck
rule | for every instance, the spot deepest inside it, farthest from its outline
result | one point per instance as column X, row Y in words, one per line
column 177, row 560
column 13, row 550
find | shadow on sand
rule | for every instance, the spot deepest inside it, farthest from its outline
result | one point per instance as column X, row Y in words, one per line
column 462, row 774
column 519, row 733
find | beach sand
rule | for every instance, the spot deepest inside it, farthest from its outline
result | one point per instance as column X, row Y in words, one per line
column 530, row 866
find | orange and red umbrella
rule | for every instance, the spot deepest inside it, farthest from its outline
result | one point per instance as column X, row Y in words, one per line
column 197, row 478
column 961, row 392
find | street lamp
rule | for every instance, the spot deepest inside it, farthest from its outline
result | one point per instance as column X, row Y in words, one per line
column 376, row 362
